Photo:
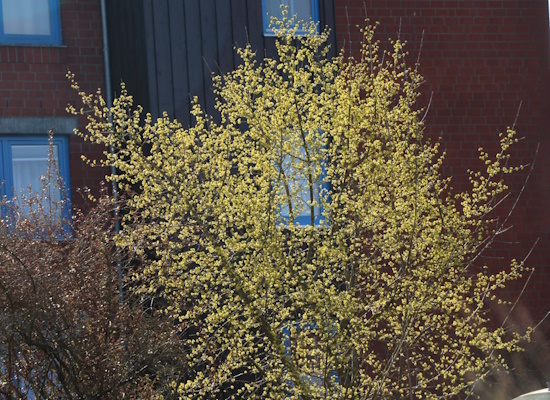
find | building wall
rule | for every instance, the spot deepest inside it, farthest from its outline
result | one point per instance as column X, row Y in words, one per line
column 181, row 44
column 34, row 90
column 481, row 60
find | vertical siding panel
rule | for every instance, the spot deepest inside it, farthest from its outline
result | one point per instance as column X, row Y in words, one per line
column 184, row 41
column 194, row 51
column 125, row 31
column 269, row 41
column 128, row 54
column 225, row 36
column 209, row 50
column 270, row 48
column 137, row 64
column 151, row 56
column 238, row 16
column 179, row 61
column 326, row 17
column 163, row 56
column 116, row 28
column 255, row 27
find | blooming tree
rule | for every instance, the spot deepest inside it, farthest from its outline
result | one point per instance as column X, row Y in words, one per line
column 378, row 294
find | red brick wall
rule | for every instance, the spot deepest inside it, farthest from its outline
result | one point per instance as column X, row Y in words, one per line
column 33, row 82
column 480, row 59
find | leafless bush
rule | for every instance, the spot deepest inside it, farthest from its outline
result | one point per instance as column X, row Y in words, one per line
column 64, row 332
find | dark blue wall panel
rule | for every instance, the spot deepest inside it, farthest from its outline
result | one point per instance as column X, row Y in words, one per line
column 168, row 49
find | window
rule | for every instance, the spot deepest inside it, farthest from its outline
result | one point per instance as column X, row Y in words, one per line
column 303, row 200
column 297, row 181
column 305, row 10
column 24, row 160
column 34, row 22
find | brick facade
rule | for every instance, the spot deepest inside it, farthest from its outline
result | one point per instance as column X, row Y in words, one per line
column 33, row 86
column 480, row 59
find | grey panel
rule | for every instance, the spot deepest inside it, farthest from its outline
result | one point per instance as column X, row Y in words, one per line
column 255, row 27
column 167, row 51
column 239, row 25
column 178, row 40
column 225, row 36
column 209, row 38
column 151, row 56
column 326, row 15
column 163, row 56
column 194, row 49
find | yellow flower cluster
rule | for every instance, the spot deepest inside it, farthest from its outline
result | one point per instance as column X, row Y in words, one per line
column 384, row 298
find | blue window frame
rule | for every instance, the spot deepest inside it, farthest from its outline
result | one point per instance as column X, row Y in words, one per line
column 24, row 159
column 305, row 10
column 30, row 22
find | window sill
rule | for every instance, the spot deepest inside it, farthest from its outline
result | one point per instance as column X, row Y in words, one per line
column 59, row 46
